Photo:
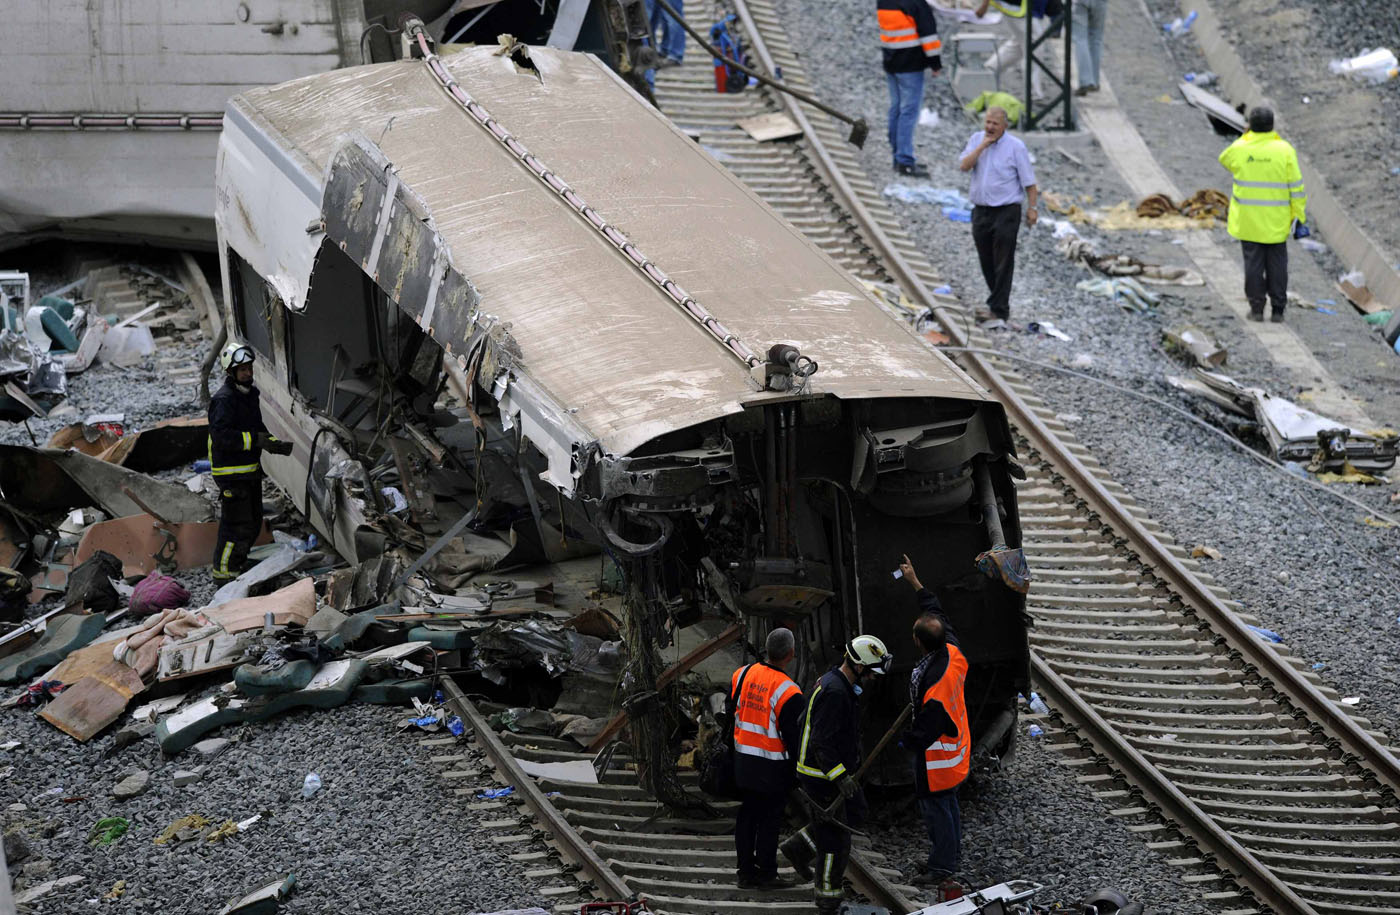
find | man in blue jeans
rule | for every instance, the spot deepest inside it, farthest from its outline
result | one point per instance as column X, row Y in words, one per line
column 1089, row 19
column 909, row 43
column 672, row 41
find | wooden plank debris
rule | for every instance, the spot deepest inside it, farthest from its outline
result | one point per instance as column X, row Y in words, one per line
column 772, row 126
column 1214, row 107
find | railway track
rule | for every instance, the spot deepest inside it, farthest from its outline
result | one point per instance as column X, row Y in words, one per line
column 1227, row 752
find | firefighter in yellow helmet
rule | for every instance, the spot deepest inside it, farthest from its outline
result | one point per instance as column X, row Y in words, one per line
column 827, row 758
column 237, row 440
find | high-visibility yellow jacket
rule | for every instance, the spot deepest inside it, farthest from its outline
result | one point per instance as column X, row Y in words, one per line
column 1268, row 193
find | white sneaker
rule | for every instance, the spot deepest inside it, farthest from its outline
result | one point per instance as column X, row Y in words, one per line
column 992, row 324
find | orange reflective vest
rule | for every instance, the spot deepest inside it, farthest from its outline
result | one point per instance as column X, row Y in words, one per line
column 908, row 35
column 947, row 760
column 766, row 691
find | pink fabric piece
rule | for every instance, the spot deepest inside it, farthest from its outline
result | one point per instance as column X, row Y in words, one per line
column 157, row 592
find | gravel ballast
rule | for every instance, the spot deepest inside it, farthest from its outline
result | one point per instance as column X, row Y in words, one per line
column 384, row 834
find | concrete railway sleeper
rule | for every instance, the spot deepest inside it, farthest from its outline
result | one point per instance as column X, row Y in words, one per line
column 623, row 845
column 1232, row 740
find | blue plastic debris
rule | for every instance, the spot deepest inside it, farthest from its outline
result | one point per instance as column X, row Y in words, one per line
column 454, row 724
column 1267, row 635
column 943, row 290
column 957, row 214
column 1035, row 730
column 1327, row 301
column 1325, row 310
column 1319, row 665
column 493, row 793
column 426, row 721
column 927, row 193
column 438, row 698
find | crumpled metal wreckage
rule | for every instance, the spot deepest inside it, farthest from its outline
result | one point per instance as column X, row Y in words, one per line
column 1295, row 434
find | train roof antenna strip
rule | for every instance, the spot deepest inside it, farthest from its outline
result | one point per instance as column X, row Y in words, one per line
column 740, row 350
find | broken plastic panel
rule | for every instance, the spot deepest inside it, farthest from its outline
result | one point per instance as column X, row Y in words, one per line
column 1295, row 434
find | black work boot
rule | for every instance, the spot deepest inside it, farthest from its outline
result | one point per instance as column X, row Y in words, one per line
column 1276, row 317
column 798, row 854
column 1256, row 314
column 775, row 882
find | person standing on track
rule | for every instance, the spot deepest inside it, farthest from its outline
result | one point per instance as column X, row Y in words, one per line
column 768, row 709
column 1090, row 16
column 1001, row 174
column 908, row 43
column 826, row 763
column 939, row 736
column 1267, row 200
column 237, row 439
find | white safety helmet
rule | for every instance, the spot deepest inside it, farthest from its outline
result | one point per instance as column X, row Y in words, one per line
column 870, row 652
column 234, row 355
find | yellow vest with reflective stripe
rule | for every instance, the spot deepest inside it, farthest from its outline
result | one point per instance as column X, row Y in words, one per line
column 1268, row 193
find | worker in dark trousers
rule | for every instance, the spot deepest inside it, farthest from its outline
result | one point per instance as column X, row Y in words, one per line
column 1001, row 176
column 827, row 758
column 237, row 439
column 1267, row 200
column 939, row 737
column 768, row 711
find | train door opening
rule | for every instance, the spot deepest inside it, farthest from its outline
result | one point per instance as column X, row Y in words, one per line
column 351, row 352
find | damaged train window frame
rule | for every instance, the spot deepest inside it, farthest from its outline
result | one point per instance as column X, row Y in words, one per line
column 246, row 285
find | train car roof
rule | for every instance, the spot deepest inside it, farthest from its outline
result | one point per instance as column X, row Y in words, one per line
column 593, row 332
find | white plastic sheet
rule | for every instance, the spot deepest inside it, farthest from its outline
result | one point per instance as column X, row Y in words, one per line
column 126, row 346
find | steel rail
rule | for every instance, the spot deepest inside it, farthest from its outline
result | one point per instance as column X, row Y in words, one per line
column 1289, row 683
column 864, row 877
column 1228, row 853
column 571, row 844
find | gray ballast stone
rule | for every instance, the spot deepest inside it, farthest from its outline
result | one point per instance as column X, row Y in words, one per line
column 131, row 786
column 213, row 746
column 185, row 777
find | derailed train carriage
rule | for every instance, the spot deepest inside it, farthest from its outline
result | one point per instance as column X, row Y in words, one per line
column 652, row 363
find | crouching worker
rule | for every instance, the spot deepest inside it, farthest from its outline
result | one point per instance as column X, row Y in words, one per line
column 767, row 725
column 828, row 758
column 237, row 439
column 939, row 738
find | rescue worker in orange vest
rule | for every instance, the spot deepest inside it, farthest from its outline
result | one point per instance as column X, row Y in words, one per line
column 767, row 726
column 908, row 43
column 939, row 737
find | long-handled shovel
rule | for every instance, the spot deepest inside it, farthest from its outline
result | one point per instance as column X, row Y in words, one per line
column 796, row 848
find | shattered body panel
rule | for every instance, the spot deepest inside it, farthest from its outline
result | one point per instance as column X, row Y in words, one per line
column 382, row 239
